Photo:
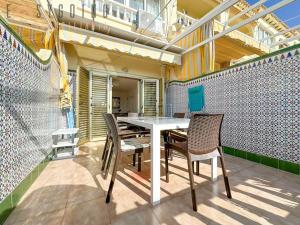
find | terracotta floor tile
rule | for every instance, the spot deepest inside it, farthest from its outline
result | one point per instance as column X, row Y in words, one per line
column 29, row 218
column 87, row 213
column 73, row 191
column 139, row 216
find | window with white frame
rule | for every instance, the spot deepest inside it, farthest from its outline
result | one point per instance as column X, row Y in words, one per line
column 262, row 35
column 120, row 1
column 151, row 6
column 136, row 4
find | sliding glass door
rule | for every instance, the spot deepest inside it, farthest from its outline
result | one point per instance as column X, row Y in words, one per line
column 151, row 6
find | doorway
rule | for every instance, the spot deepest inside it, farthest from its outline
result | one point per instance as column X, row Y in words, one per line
column 125, row 96
column 100, row 92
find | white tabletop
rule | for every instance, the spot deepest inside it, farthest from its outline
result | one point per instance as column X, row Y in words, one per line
column 66, row 131
column 163, row 123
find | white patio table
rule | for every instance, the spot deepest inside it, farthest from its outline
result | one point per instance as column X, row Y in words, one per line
column 156, row 125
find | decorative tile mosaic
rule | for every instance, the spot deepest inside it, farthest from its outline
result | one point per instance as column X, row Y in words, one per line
column 29, row 110
column 261, row 103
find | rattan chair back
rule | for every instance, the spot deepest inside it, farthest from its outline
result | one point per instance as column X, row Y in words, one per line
column 204, row 133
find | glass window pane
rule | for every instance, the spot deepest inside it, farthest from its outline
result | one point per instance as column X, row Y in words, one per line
column 136, row 4
column 87, row 3
column 259, row 34
column 153, row 7
column 120, row 1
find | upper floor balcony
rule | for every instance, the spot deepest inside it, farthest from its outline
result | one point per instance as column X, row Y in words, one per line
column 115, row 25
column 257, row 41
column 139, row 21
column 140, row 16
column 115, row 10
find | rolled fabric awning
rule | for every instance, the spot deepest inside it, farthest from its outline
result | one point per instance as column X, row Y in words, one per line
column 89, row 38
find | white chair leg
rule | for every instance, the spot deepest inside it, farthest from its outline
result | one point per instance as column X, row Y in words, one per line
column 214, row 168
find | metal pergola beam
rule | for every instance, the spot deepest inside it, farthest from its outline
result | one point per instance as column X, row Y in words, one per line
column 209, row 16
column 245, row 11
column 286, row 41
column 240, row 24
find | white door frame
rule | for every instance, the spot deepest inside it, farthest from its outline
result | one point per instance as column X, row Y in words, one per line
column 141, row 96
column 141, row 78
column 109, row 93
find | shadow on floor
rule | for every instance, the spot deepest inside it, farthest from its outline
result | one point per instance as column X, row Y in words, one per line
column 73, row 192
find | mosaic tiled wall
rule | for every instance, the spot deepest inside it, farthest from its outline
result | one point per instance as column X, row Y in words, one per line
column 29, row 110
column 261, row 103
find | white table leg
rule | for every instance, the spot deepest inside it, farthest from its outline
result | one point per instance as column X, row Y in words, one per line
column 155, row 165
column 214, row 168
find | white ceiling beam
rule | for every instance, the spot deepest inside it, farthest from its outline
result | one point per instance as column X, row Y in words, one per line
column 209, row 16
column 297, row 37
column 245, row 11
column 281, row 33
column 242, row 23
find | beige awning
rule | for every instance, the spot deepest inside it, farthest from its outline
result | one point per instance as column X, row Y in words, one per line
column 84, row 37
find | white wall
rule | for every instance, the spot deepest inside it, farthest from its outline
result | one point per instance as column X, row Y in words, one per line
column 128, row 100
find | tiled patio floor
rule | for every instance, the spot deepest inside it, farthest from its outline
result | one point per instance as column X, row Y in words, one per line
column 73, row 192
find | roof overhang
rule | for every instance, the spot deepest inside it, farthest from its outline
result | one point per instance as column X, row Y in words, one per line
column 243, row 38
column 228, row 49
column 85, row 37
column 115, row 27
column 24, row 14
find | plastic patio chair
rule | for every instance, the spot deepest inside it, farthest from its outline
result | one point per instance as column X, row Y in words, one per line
column 120, row 146
column 203, row 142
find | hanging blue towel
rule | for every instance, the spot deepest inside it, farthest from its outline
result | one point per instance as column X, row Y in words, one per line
column 196, row 98
column 70, row 117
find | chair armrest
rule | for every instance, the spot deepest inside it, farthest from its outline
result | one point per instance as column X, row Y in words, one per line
column 177, row 135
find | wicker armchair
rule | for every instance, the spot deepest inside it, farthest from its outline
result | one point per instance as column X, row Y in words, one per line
column 202, row 143
column 119, row 146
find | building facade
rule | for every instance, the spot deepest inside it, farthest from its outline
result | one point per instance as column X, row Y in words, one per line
column 115, row 49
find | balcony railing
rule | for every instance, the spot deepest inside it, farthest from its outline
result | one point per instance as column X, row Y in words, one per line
column 112, row 9
column 184, row 19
